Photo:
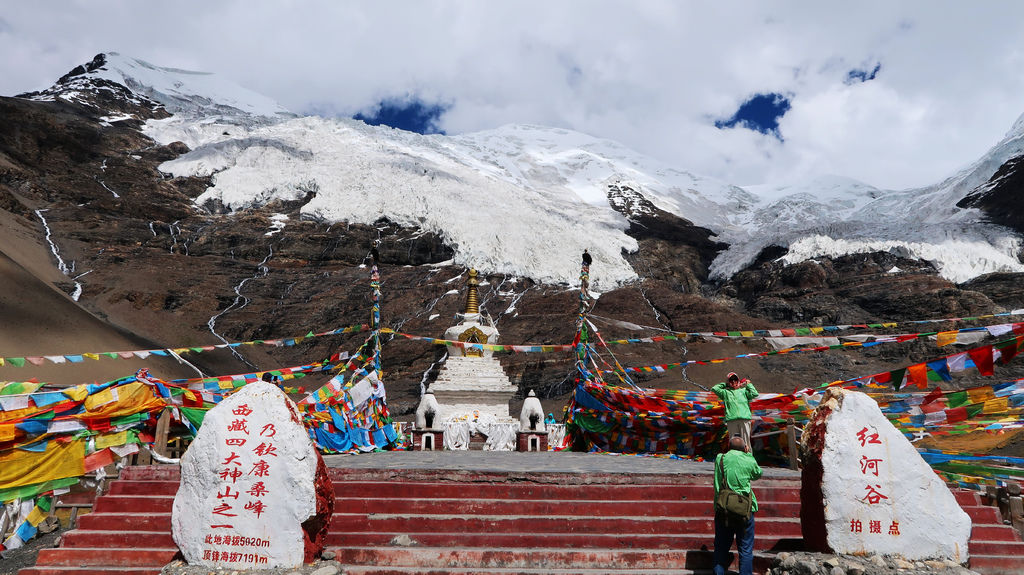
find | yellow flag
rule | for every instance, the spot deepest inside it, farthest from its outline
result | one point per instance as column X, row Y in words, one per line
column 997, row 405
column 100, row 398
column 111, row 440
column 77, row 393
column 980, row 394
column 36, row 516
column 945, row 338
column 95, row 356
column 60, row 460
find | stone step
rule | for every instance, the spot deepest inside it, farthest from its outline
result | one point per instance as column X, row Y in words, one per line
column 996, row 564
column 552, row 507
column 530, row 558
column 105, row 557
column 518, row 491
column 983, row 514
column 677, row 541
column 996, row 548
column 79, row 538
column 151, row 473
column 134, row 504
column 103, row 570
column 140, row 487
column 389, row 570
column 357, row 522
column 126, row 521
column 390, row 475
column 993, row 533
column 968, row 497
column 778, row 491
column 157, row 504
column 118, row 539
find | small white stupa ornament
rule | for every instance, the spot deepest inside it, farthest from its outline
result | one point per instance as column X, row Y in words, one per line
column 531, row 418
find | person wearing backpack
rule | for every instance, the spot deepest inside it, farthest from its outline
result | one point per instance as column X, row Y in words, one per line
column 736, row 394
column 735, row 506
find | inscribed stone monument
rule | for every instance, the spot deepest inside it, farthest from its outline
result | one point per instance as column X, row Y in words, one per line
column 865, row 489
column 254, row 492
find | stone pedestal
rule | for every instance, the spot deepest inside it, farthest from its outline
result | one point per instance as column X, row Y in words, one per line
column 532, row 441
column 473, row 387
column 428, row 440
column 865, row 489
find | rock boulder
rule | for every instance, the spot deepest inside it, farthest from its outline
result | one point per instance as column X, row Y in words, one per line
column 254, row 492
column 865, row 489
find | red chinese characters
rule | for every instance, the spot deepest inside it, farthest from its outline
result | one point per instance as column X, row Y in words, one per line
column 864, row 438
column 244, row 468
column 869, row 465
column 874, row 492
column 873, row 496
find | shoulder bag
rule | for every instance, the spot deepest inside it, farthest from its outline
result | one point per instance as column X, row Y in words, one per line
column 735, row 505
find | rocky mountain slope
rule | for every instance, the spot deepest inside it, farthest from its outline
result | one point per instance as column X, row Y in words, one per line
column 189, row 212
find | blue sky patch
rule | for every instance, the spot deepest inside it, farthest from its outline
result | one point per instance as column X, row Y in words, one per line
column 761, row 113
column 854, row 76
column 409, row 114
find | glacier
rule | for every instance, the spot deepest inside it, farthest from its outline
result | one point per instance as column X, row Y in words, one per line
column 527, row 200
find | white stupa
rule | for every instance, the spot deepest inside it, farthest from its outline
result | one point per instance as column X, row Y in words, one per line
column 472, row 384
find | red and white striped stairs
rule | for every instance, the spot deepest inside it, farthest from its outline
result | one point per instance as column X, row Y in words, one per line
column 435, row 522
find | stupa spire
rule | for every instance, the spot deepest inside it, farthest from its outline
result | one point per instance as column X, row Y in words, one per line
column 472, row 303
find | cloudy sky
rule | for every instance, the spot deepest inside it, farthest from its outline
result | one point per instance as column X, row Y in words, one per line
column 896, row 94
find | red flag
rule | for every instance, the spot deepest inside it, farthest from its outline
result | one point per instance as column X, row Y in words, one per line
column 1009, row 350
column 956, row 414
column 99, row 459
column 932, row 396
column 982, row 358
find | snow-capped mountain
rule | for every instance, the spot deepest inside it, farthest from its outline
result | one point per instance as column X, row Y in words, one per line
column 197, row 94
column 226, row 228
column 527, row 200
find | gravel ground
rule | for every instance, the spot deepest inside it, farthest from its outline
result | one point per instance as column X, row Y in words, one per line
column 25, row 556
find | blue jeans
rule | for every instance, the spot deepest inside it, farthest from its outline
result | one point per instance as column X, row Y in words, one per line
column 744, row 535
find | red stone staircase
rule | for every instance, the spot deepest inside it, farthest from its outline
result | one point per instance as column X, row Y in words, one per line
column 459, row 522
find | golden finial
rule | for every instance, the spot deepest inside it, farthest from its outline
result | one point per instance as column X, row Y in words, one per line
column 472, row 305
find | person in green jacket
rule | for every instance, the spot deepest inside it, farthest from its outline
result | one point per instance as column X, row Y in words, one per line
column 737, row 468
column 736, row 394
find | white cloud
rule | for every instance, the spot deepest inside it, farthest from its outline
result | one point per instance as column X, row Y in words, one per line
column 652, row 75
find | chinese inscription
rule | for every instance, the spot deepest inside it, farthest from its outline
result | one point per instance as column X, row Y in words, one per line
column 873, row 492
column 243, row 489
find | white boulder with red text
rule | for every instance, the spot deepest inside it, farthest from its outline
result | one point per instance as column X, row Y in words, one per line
column 865, row 489
column 252, row 493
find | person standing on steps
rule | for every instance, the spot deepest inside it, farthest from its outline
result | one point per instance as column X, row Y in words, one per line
column 735, row 469
column 737, row 394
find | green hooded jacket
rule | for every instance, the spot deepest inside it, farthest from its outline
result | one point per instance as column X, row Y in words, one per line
column 737, row 401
